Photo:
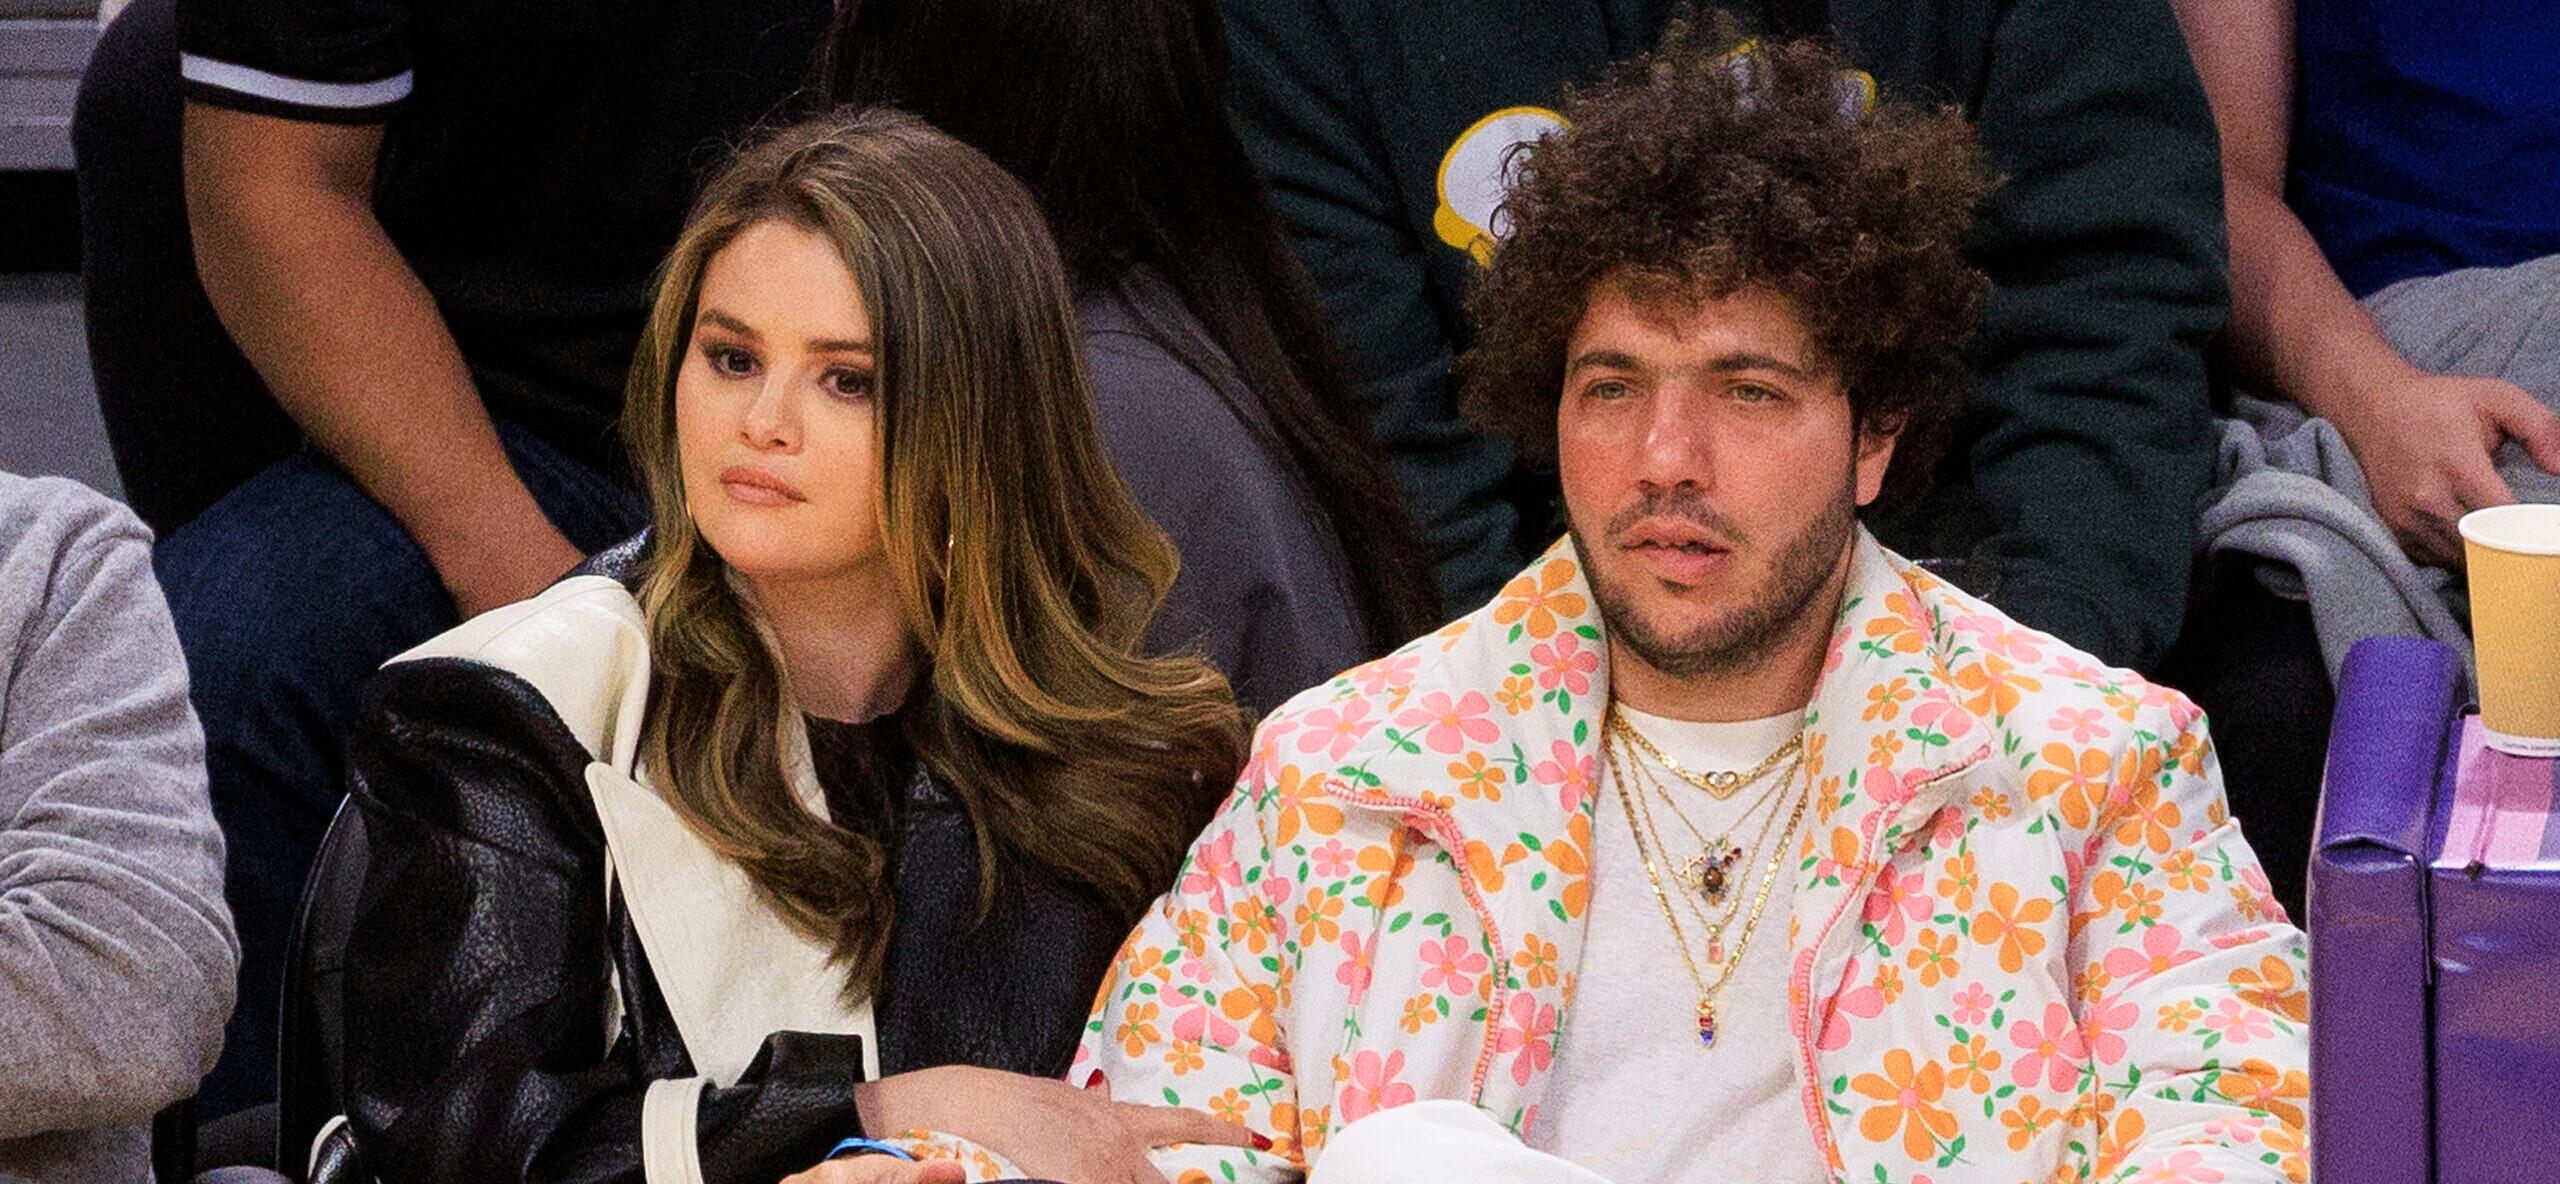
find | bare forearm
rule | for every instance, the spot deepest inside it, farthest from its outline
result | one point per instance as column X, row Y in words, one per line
column 2295, row 329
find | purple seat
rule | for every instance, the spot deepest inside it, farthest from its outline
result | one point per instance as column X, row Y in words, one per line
column 2435, row 938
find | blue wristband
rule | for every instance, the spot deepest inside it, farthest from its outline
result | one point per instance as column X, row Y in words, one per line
column 868, row 1147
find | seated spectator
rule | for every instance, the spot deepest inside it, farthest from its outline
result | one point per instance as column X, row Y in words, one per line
column 116, row 954
column 2395, row 240
column 1720, row 800
column 1221, row 397
column 1383, row 126
column 843, row 795
column 430, row 230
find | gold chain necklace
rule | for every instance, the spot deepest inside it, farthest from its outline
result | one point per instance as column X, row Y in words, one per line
column 1718, row 783
column 1710, row 884
column 1708, row 993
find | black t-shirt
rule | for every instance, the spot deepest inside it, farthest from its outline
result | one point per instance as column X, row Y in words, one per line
column 538, row 156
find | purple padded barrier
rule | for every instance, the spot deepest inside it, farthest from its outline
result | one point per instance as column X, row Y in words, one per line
column 2495, row 907
column 2397, row 698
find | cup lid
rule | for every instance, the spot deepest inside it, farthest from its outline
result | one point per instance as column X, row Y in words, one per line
column 2526, row 528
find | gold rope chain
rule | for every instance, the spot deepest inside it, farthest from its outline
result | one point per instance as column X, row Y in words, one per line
column 1717, row 783
column 1708, row 994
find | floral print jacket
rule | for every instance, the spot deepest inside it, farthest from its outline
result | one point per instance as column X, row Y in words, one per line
column 2027, row 943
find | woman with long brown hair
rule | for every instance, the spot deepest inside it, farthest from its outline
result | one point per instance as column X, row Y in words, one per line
column 698, row 864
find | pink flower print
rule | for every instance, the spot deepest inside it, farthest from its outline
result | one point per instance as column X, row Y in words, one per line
column 1530, row 1031
column 1860, row 1002
column 2083, row 723
column 1451, row 965
column 1568, row 771
column 2163, row 949
column 1197, row 970
column 1385, row 674
column 1895, row 901
column 1333, row 728
column 2236, row 1130
column 1333, row 860
column 1355, row 971
column 1946, row 827
column 2098, row 1029
column 1564, row 663
column 2068, row 667
column 1274, row 1059
column 2053, row 1050
column 1214, row 870
column 1373, row 1086
column 1973, row 1004
column 1453, row 722
column 2238, row 1022
column 1201, row 1022
column 2184, row 1166
column 1278, row 890
column 2001, row 637
column 1938, row 710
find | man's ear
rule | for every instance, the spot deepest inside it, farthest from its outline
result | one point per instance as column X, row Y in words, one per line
column 1874, row 446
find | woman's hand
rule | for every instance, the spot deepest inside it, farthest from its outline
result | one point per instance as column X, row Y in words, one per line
column 880, row 1169
column 2426, row 442
column 1049, row 1129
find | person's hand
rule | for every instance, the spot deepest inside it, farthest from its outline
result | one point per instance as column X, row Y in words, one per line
column 1049, row 1129
column 2425, row 442
column 880, row 1169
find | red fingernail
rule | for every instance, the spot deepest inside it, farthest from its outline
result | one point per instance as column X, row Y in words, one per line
column 1261, row 1142
column 1093, row 1080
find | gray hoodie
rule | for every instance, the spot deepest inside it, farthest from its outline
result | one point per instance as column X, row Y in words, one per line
column 116, row 952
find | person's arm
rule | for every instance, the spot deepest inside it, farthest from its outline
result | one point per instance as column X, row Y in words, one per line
column 116, row 952
column 2200, row 1028
column 1201, row 980
column 2423, row 440
column 311, row 287
column 1316, row 139
column 2103, row 242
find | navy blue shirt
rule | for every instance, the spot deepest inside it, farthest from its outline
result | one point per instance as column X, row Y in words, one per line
column 2427, row 138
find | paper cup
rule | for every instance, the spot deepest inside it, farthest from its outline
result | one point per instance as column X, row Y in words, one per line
column 2514, row 557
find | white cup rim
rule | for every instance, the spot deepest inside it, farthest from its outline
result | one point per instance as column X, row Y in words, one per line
column 2525, row 528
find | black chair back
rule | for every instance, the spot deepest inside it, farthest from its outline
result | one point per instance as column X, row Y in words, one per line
column 311, row 1036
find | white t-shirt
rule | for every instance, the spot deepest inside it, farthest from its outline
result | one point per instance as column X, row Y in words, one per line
column 1635, row 1096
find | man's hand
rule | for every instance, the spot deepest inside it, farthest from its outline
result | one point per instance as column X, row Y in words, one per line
column 1048, row 1128
column 2426, row 441
column 880, row 1169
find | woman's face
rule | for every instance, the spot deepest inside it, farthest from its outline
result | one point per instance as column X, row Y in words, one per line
column 776, row 420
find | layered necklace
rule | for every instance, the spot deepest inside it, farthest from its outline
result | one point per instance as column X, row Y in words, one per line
column 1708, row 880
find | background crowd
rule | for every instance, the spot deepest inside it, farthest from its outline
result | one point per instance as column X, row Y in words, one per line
column 2268, row 311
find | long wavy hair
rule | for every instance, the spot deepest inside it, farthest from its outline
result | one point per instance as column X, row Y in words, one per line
column 1025, row 571
column 1114, row 113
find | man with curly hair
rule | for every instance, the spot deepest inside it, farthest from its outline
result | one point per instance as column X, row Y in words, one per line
column 1725, row 845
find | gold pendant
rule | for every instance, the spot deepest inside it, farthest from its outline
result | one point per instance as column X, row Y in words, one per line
column 1710, row 873
column 1706, row 1024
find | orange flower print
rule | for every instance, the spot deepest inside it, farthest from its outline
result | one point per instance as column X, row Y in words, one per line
column 2008, row 924
column 1992, row 804
column 1958, row 882
column 1518, row 692
column 1419, row 1012
column 1536, row 960
column 1319, row 918
column 1229, row 1106
column 1933, row 957
column 1970, row 1065
column 1478, row 779
column 1302, row 807
column 2180, row 1016
column 1184, row 1057
column 2288, row 1141
column 1888, row 984
column 1532, row 602
column 1908, row 1098
column 2149, row 820
column 2271, row 985
column 1388, row 870
column 1884, row 748
column 1897, row 630
column 1885, row 700
column 1249, row 925
column 1994, row 686
column 2185, row 874
column 2028, row 1119
column 2260, row 1086
column 2079, row 775
column 2141, row 904
column 1138, row 1028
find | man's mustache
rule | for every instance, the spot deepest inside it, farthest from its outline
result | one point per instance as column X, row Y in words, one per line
column 1684, row 503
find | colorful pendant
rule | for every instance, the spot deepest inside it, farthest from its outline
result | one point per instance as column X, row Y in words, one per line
column 1706, row 1024
column 1711, row 873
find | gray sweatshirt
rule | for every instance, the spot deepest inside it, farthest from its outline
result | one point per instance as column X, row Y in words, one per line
column 116, row 952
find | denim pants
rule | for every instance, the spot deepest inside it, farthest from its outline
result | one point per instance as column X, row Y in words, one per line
column 288, row 593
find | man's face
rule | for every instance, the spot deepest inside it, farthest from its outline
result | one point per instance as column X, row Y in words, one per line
column 1712, row 472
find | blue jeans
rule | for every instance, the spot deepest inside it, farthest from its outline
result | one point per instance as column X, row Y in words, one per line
column 288, row 592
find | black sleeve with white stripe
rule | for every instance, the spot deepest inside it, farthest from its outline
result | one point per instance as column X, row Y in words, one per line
column 328, row 61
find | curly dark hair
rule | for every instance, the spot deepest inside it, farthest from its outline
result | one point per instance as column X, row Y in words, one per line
column 1712, row 165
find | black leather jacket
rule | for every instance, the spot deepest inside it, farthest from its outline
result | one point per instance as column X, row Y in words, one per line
column 478, row 961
